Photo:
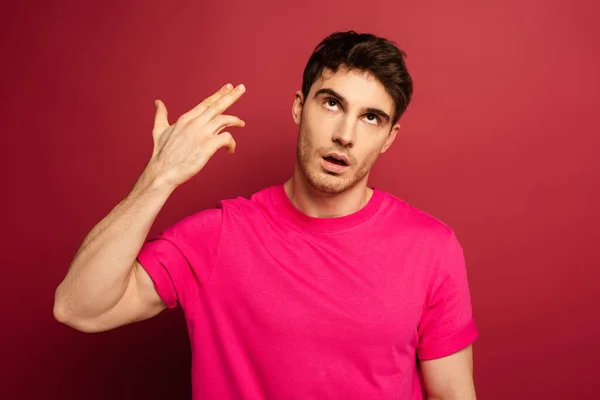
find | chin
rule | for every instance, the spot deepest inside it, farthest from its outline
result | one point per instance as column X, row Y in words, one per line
column 328, row 186
column 328, row 183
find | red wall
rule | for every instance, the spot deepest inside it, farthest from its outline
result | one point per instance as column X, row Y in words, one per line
column 501, row 142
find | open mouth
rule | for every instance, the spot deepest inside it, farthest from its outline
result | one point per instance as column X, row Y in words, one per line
column 334, row 160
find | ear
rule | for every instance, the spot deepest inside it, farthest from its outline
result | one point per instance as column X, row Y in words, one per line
column 297, row 107
column 390, row 138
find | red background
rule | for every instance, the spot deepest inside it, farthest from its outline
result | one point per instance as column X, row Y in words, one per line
column 501, row 142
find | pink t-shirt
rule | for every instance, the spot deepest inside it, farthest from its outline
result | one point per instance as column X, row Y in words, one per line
column 280, row 305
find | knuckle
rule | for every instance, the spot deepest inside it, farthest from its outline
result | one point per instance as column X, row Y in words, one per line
column 184, row 118
column 209, row 99
column 213, row 105
column 227, row 120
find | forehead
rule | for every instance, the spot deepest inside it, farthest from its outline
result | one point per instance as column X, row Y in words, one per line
column 360, row 89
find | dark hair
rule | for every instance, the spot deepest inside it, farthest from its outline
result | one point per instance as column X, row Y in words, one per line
column 364, row 52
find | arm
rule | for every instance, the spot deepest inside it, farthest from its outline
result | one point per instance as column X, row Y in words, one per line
column 105, row 286
column 447, row 329
column 450, row 377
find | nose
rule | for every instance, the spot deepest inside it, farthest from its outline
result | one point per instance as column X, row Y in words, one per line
column 344, row 134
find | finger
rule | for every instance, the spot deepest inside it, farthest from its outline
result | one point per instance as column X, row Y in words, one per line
column 225, row 140
column 222, row 121
column 161, row 121
column 199, row 109
column 220, row 105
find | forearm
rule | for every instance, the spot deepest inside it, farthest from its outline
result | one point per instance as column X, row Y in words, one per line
column 101, row 269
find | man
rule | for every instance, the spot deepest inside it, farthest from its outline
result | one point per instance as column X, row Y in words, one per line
column 318, row 288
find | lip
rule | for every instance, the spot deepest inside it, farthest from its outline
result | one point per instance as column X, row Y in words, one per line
column 338, row 156
column 332, row 167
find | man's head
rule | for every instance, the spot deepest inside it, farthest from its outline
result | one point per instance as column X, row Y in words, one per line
column 354, row 90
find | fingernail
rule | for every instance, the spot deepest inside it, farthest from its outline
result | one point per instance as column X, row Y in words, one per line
column 228, row 86
column 155, row 103
column 241, row 87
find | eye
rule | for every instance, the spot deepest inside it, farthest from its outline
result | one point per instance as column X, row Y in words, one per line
column 373, row 119
column 331, row 103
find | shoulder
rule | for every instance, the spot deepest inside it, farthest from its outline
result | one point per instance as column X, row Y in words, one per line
column 233, row 205
column 212, row 219
column 246, row 206
column 408, row 217
column 198, row 221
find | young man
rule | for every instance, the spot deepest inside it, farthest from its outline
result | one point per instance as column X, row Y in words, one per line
column 318, row 288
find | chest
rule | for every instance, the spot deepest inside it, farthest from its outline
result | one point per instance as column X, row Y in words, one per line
column 322, row 292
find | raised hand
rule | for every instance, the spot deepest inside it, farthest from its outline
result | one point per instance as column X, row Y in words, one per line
column 181, row 150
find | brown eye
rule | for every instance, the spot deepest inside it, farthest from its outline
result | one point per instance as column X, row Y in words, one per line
column 372, row 118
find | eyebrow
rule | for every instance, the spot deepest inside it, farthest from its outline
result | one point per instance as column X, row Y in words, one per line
column 344, row 102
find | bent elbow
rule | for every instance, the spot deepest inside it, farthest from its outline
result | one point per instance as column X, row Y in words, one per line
column 59, row 313
column 62, row 315
column 76, row 323
column 60, row 309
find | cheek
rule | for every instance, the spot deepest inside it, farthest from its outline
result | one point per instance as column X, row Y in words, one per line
column 369, row 155
column 320, row 122
column 315, row 133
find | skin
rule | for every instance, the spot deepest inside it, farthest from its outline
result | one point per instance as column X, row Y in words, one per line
column 346, row 112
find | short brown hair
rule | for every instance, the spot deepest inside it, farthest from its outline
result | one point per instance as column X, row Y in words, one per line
column 364, row 52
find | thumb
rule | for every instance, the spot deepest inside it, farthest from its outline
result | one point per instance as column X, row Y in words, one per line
column 160, row 118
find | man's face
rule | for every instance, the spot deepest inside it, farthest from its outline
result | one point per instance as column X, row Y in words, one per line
column 345, row 114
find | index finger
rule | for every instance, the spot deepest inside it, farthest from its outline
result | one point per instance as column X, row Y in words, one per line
column 200, row 108
column 222, row 104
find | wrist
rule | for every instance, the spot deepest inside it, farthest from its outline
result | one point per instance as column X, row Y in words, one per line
column 150, row 181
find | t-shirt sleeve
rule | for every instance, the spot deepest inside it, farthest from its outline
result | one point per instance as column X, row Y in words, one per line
column 447, row 324
column 181, row 258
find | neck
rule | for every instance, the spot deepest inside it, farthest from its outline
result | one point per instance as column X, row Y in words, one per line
column 325, row 205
